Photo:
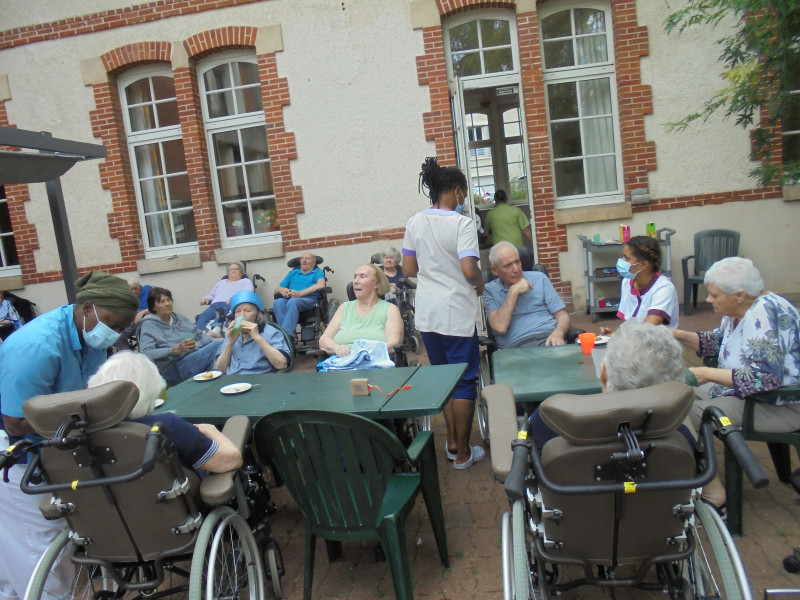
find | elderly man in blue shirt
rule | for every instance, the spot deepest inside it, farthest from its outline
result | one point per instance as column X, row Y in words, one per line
column 523, row 308
column 55, row 352
column 298, row 291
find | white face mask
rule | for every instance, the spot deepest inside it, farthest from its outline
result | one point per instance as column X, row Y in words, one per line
column 101, row 336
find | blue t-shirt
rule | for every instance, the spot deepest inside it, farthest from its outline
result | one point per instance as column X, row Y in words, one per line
column 247, row 357
column 193, row 447
column 45, row 357
column 143, row 296
column 533, row 312
column 298, row 281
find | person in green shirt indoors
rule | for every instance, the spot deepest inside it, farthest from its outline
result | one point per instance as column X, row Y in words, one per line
column 508, row 223
column 366, row 317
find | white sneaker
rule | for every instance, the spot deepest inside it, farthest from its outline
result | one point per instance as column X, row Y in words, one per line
column 476, row 453
column 216, row 332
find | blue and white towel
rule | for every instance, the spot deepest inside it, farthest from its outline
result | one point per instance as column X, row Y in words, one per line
column 364, row 354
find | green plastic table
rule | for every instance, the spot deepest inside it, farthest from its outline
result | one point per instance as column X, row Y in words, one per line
column 431, row 388
column 537, row 373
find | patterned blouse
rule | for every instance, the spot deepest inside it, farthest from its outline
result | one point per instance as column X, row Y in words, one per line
column 762, row 349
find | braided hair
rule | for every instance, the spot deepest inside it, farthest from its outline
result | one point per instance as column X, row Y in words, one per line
column 436, row 179
column 646, row 248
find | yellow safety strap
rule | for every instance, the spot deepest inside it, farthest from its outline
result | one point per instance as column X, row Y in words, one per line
column 725, row 421
column 630, row 487
column 522, row 435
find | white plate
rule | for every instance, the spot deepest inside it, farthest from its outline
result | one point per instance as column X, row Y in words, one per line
column 205, row 376
column 601, row 340
column 159, row 402
column 235, row 388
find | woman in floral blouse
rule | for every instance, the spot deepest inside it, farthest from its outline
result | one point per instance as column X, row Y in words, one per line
column 757, row 346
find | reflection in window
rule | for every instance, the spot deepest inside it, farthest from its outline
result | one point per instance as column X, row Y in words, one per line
column 581, row 105
column 8, row 247
column 481, row 46
column 158, row 160
column 237, row 139
column 515, row 155
column 790, row 117
column 480, row 156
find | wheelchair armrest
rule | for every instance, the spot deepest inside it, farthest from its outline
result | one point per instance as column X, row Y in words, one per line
column 407, row 282
column 685, row 264
column 218, row 488
column 572, row 334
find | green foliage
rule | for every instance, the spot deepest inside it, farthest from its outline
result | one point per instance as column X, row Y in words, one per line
column 761, row 59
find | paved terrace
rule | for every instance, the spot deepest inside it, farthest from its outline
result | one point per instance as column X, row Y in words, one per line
column 474, row 504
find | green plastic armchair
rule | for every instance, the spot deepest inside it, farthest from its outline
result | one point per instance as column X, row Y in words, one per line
column 710, row 246
column 353, row 480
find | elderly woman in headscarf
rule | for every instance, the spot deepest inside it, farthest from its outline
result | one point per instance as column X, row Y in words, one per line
column 55, row 352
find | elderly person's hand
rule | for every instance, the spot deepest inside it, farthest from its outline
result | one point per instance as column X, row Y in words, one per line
column 521, row 287
column 555, row 339
column 251, row 329
column 184, row 346
column 204, row 301
column 342, row 350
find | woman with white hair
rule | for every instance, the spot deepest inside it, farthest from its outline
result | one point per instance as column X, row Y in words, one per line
column 392, row 269
column 221, row 294
column 757, row 346
column 200, row 446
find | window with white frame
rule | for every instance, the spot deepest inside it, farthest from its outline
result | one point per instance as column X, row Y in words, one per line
column 481, row 46
column 237, row 145
column 9, row 260
column 158, row 162
column 790, row 118
column 580, row 92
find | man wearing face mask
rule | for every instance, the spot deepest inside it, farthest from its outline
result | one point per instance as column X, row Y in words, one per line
column 55, row 352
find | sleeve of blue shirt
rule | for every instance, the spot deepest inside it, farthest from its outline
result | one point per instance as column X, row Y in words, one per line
column 551, row 298
column 194, row 449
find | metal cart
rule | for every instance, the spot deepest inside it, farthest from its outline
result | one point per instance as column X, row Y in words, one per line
column 607, row 257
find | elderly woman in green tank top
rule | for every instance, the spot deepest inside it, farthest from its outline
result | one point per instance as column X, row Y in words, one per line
column 367, row 317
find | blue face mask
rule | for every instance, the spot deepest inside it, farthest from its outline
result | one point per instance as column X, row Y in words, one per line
column 624, row 268
column 460, row 209
column 101, row 336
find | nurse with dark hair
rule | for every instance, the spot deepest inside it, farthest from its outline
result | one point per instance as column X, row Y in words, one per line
column 440, row 248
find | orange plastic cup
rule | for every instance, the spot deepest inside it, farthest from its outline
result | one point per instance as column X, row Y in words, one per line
column 587, row 342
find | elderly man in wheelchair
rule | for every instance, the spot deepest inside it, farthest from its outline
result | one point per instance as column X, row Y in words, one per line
column 613, row 499
column 138, row 518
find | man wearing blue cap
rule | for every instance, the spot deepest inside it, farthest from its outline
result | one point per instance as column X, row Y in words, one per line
column 251, row 346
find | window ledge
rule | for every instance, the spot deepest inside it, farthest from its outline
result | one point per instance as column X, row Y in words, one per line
column 177, row 262
column 255, row 252
column 11, row 282
column 585, row 214
column 791, row 192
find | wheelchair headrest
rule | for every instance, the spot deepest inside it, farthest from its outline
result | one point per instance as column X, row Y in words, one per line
column 595, row 419
column 295, row 262
column 106, row 405
column 376, row 259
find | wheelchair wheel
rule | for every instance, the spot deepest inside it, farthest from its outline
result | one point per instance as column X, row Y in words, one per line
column 516, row 566
column 226, row 562
column 78, row 582
column 414, row 343
column 275, row 564
column 481, row 410
column 715, row 569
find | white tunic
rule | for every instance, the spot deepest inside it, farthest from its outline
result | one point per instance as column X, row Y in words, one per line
column 445, row 302
column 658, row 298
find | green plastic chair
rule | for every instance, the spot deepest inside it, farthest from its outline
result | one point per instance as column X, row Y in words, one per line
column 779, row 445
column 710, row 246
column 353, row 480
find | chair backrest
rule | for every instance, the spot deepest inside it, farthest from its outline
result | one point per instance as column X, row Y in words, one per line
column 712, row 245
column 336, row 466
column 126, row 519
column 627, row 528
column 294, row 263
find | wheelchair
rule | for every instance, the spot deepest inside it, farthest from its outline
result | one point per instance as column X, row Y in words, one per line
column 138, row 524
column 404, row 300
column 314, row 320
column 614, row 502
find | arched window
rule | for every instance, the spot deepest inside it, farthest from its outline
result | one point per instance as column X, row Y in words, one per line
column 237, row 142
column 481, row 46
column 580, row 91
column 158, row 162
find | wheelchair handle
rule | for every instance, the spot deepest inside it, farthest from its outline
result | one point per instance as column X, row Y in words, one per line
column 732, row 437
column 514, row 484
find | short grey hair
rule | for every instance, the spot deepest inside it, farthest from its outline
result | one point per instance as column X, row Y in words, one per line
column 238, row 264
column 390, row 251
column 640, row 355
column 735, row 274
column 139, row 370
column 493, row 260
